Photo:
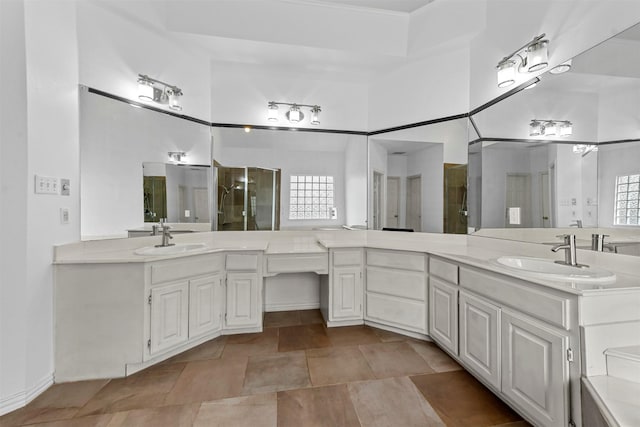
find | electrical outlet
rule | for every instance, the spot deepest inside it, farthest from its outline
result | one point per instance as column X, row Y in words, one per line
column 64, row 215
column 46, row 185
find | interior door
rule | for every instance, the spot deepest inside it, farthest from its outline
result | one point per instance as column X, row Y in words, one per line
column 393, row 202
column 200, row 205
column 414, row 202
column 518, row 199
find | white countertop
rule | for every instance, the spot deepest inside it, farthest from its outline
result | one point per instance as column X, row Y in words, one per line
column 470, row 250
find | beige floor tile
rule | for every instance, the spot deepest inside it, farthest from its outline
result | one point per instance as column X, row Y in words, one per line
column 167, row 416
column 277, row 319
column 302, row 337
column 320, row 406
column 392, row 402
column 308, row 317
column 337, row 365
column 394, row 359
column 250, row 411
column 436, row 358
column 144, row 389
column 209, row 380
column 209, row 350
column 516, row 424
column 388, row 336
column 352, row 335
column 461, row 401
column 251, row 344
column 275, row 372
column 58, row 402
column 90, row 421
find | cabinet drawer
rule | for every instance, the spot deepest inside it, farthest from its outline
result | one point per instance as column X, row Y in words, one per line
column 318, row 263
column 544, row 305
column 166, row 271
column 443, row 269
column 404, row 314
column 345, row 258
column 242, row 262
column 405, row 284
column 395, row 259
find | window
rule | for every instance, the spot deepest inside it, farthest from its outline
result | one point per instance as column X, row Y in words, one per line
column 627, row 195
column 311, row 197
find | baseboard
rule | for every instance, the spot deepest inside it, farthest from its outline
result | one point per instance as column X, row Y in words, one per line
column 20, row 399
column 291, row 307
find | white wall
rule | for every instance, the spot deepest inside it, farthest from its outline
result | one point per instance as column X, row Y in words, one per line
column 14, row 183
column 355, row 173
column 116, row 139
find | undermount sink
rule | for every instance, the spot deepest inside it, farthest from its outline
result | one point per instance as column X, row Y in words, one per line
column 548, row 269
column 178, row 248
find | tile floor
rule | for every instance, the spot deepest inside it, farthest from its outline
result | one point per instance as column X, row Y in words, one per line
column 295, row 373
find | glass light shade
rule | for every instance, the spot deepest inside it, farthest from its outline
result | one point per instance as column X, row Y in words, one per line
column 272, row 113
column 145, row 90
column 579, row 148
column 174, row 101
column 562, row 68
column 566, row 129
column 315, row 116
column 506, row 73
column 550, row 129
column 537, row 56
column 535, row 128
column 294, row 115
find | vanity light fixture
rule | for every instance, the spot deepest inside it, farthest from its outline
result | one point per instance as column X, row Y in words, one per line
column 539, row 127
column 177, row 156
column 295, row 114
column 584, row 149
column 152, row 90
column 561, row 68
column 533, row 56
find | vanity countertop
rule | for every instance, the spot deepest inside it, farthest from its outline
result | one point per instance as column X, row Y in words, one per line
column 472, row 251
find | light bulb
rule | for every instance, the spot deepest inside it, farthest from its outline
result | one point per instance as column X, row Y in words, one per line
column 566, row 129
column 550, row 129
column 145, row 90
column 315, row 113
column 535, row 128
column 537, row 56
column 506, row 73
column 272, row 112
column 174, row 100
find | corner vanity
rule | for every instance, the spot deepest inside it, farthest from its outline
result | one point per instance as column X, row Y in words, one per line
column 525, row 338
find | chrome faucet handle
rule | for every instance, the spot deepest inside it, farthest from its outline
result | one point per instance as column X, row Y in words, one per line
column 597, row 242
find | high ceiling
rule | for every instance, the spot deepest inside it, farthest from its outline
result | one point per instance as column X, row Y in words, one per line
column 406, row 6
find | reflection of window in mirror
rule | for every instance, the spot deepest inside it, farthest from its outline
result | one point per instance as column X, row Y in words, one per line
column 311, row 197
column 627, row 195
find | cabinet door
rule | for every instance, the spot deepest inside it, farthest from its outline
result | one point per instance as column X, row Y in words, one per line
column 480, row 337
column 346, row 293
column 534, row 369
column 443, row 314
column 169, row 316
column 243, row 301
column 205, row 305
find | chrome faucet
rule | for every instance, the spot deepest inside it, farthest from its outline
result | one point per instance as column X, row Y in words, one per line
column 154, row 230
column 578, row 223
column 569, row 246
column 598, row 244
column 166, row 235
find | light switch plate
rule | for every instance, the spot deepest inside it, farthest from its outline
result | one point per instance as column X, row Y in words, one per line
column 65, row 187
column 46, row 185
column 64, row 215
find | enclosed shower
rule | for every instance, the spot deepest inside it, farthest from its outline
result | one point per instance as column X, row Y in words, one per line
column 248, row 198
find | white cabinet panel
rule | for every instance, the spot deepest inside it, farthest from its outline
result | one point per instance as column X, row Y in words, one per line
column 404, row 284
column 480, row 337
column 534, row 369
column 398, row 312
column 443, row 314
column 243, row 299
column 397, row 259
column 443, row 269
column 205, row 305
column 169, row 316
column 347, row 293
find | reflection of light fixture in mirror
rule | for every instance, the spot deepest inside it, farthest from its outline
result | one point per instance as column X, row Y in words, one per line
column 561, row 68
column 177, row 156
column 295, row 114
column 273, row 112
column 247, row 129
column 539, row 127
column 584, row 149
column 165, row 94
column 531, row 57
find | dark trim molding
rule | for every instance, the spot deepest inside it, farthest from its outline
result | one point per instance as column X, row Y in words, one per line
column 504, row 96
column 618, row 141
column 536, row 141
column 418, row 124
column 288, row 128
column 473, row 123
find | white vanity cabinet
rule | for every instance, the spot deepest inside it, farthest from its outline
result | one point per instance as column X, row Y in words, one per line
column 341, row 293
column 396, row 289
column 243, row 293
column 185, row 301
column 443, row 303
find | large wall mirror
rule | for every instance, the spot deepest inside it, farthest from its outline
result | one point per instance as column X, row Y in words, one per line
column 418, row 178
column 563, row 153
column 289, row 180
column 128, row 179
